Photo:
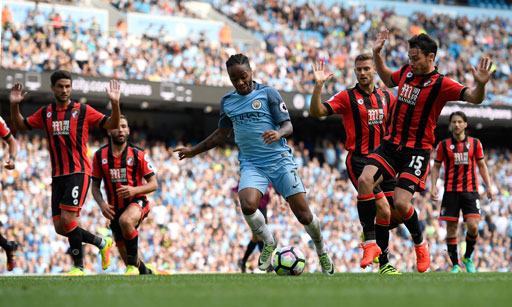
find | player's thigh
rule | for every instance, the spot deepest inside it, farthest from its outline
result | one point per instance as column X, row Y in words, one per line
column 450, row 207
column 380, row 165
column 286, row 181
column 470, row 206
column 355, row 166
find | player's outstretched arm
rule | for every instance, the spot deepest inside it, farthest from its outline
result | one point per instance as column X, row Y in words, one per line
column 380, row 65
column 484, row 172
column 434, row 175
column 482, row 75
column 285, row 130
column 15, row 97
column 13, row 150
column 218, row 137
column 316, row 108
column 106, row 209
column 114, row 95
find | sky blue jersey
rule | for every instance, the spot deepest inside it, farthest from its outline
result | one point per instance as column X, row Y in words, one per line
column 250, row 115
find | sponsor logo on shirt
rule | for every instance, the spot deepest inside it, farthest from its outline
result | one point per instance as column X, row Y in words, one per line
column 375, row 116
column 409, row 94
column 60, row 127
column 118, row 175
column 248, row 117
column 461, row 158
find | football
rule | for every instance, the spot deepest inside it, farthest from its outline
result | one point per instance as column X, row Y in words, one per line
column 288, row 261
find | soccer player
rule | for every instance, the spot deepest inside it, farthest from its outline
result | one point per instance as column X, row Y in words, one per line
column 255, row 241
column 405, row 151
column 365, row 112
column 259, row 118
column 460, row 154
column 66, row 124
column 9, row 246
column 128, row 177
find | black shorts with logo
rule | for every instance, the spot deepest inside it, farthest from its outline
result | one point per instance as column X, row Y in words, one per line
column 141, row 202
column 454, row 202
column 69, row 193
column 355, row 165
column 409, row 166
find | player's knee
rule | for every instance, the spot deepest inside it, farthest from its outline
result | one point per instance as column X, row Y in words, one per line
column 126, row 224
column 451, row 228
column 472, row 228
column 248, row 206
column 365, row 182
column 305, row 217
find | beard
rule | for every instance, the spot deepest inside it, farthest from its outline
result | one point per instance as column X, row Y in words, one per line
column 118, row 142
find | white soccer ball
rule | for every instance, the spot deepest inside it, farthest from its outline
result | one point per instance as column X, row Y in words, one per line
column 288, row 260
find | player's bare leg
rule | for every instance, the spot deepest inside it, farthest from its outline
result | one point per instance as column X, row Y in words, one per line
column 367, row 210
column 249, row 202
column 403, row 204
column 9, row 247
column 311, row 223
column 471, row 237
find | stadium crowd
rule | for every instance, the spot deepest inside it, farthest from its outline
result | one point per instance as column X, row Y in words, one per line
column 294, row 36
column 196, row 226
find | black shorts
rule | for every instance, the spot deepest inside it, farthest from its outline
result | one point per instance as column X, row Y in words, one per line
column 409, row 166
column 454, row 202
column 143, row 203
column 69, row 193
column 355, row 164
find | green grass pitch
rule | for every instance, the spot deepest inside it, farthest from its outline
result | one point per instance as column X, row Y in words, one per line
column 369, row 290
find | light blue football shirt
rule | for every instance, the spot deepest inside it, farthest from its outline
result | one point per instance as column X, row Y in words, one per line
column 250, row 115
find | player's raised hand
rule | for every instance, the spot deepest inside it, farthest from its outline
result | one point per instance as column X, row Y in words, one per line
column 482, row 72
column 271, row 136
column 107, row 211
column 382, row 36
column 126, row 191
column 17, row 94
column 114, row 91
column 319, row 73
column 184, row 152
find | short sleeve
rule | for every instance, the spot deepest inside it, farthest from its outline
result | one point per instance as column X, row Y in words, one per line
column 439, row 153
column 146, row 167
column 5, row 132
column 452, row 90
column 479, row 150
column 397, row 75
column 96, row 166
column 224, row 120
column 95, row 118
column 338, row 103
column 35, row 121
column 277, row 106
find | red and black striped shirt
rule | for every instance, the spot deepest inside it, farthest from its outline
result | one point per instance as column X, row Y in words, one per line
column 419, row 103
column 129, row 168
column 67, row 130
column 364, row 116
column 459, row 160
column 5, row 132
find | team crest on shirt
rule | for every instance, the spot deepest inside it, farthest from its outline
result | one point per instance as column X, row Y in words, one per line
column 409, row 74
column 256, row 104
column 452, row 147
column 360, row 101
column 129, row 161
column 104, row 161
column 75, row 113
column 118, row 175
column 468, row 145
column 49, row 114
